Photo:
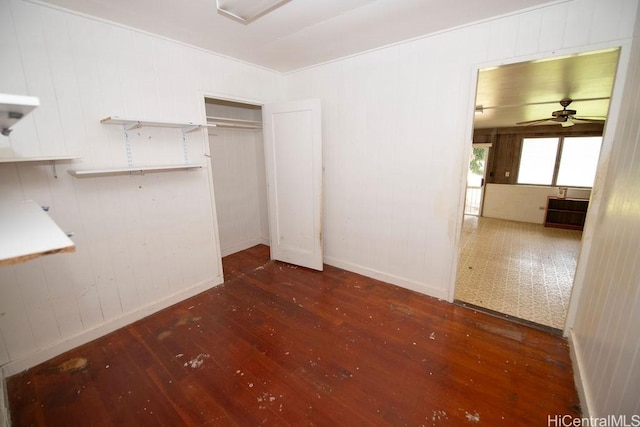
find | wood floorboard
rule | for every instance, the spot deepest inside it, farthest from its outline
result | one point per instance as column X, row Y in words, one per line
column 282, row 345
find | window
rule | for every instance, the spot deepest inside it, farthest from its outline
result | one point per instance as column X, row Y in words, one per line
column 579, row 161
column 538, row 161
column 564, row 161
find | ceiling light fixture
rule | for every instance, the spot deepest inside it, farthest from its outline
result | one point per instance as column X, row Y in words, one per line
column 247, row 11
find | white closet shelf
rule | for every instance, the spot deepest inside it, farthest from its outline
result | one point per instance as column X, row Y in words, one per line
column 13, row 108
column 38, row 159
column 29, row 232
column 135, row 124
column 223, row 122
column 131, row 170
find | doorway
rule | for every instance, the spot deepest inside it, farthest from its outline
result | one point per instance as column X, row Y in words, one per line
column 519, row 268
column 238, row 171
column 286, row 215
column 476, row 176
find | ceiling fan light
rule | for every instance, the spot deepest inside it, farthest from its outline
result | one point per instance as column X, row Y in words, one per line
column 567, row 123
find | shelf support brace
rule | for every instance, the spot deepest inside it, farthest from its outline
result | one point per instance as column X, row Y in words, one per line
column 185, row 151
column 131, row 126
column 127, row 146
column 191, row 128
column 53, row 169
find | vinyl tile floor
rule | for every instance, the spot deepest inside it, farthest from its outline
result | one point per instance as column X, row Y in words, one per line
column 519, row 269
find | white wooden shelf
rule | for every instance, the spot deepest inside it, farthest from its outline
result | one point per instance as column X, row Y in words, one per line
column 130, row 124
column 13, row 108
column 37, row 159
column 131, row 170
column 223, row 122
column 29, row 232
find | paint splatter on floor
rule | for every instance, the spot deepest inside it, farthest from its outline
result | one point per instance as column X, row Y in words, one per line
column 439, row 416
column 197, row 361
column 472, row 418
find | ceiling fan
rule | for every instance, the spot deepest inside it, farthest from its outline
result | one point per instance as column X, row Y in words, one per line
column 563, row 117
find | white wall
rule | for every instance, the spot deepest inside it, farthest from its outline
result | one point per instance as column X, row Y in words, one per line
column 397, row 133
column 143, row 242
column 525, row 203
column 605, row 338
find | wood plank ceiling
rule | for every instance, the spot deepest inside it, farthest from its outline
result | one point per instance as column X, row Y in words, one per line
column 532, row 90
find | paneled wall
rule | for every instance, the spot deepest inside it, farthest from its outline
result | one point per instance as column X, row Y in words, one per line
column 397, row 134
column 237, row 159
column 143, row 241
column 605, row 335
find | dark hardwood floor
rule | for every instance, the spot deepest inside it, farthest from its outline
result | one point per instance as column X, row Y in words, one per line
column 283, row 345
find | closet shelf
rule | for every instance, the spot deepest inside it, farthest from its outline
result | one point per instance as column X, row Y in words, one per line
column 13, row 108
column 37, row 159
column 85, row 173
column 130, row 124
column 28, row 232
column 223, row 122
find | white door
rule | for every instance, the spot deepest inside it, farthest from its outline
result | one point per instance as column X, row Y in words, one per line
column 293, row 154
column 476, row 177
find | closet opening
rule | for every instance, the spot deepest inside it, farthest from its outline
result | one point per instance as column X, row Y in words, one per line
column 238, row 172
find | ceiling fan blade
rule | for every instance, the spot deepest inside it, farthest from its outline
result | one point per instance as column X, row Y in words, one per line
column 535, row 122
column 588, row 120
column 600, row 118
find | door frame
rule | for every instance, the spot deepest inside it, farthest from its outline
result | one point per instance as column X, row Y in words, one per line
column 207, row 156
column 597, row 197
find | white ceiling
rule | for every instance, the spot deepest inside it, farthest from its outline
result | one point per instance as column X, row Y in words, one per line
column 300, row 33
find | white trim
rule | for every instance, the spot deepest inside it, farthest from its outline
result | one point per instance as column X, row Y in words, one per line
column 582, row 386
column 596, row 200
column 464, row 170
column 388, row 278
column 209, row 166
column 42, row 355
column 552, row 3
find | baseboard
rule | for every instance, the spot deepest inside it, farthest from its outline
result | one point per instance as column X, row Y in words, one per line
column 242, row 246
column 388, row 278
column 582, row 385
column 31, row 360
